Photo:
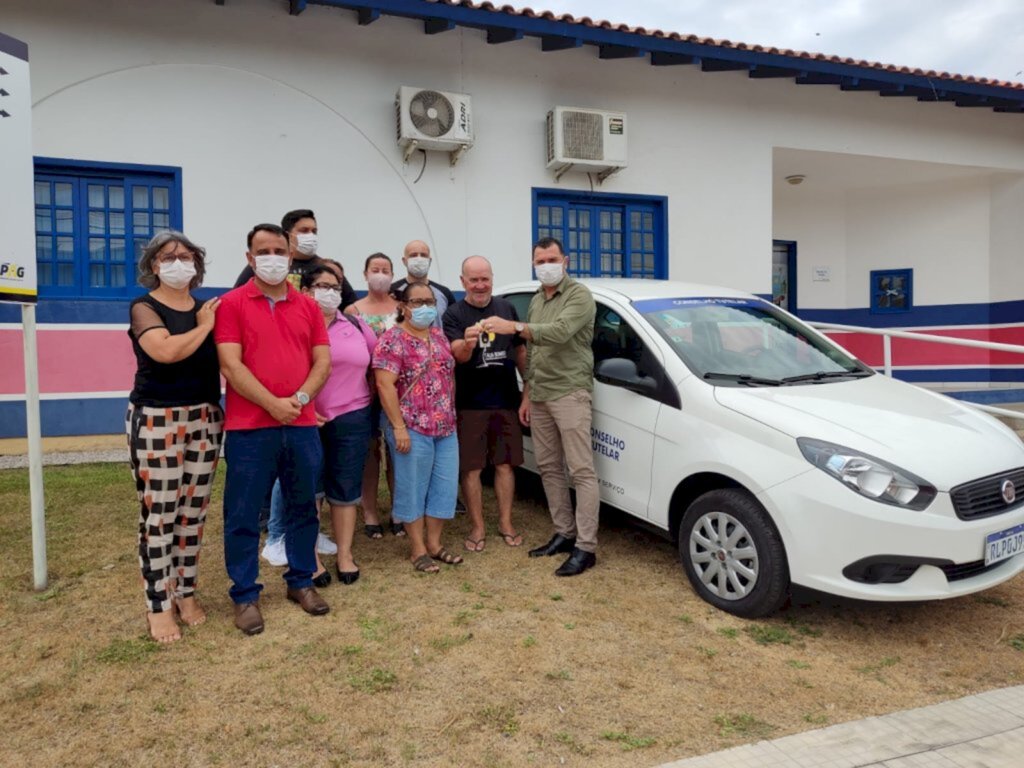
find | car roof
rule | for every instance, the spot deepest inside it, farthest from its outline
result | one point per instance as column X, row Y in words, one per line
column 632, row 289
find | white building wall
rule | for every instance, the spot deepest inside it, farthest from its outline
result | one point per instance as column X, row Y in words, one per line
column 1006, row 274
column 941, row 231
column 266, row 112
column 817, row 223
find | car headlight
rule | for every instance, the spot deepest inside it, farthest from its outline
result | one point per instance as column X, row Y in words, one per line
column 867, row 475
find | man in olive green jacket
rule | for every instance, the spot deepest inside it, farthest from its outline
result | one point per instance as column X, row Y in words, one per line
column 556, row 402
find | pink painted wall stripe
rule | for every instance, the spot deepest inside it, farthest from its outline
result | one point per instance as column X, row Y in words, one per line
column 69, row 361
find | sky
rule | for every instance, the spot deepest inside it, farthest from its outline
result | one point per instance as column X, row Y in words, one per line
column 984, row 38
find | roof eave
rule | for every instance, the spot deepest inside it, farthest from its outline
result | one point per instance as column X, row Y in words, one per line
column 505, row 24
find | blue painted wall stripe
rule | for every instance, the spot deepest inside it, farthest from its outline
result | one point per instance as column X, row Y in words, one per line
column 943, row 315
column 990, row 396
column 67, row 417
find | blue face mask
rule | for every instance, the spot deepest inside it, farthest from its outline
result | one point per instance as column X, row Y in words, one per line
column 423, row 317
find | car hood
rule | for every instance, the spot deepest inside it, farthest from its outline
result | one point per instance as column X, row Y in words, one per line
column 929, row 434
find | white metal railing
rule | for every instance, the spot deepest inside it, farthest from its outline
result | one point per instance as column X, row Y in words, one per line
column 888, row 334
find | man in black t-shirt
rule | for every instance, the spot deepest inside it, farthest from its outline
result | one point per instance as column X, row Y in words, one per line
column 303, row 241
column 487, row 399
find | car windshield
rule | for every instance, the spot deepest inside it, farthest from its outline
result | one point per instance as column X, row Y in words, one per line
column 747, row 342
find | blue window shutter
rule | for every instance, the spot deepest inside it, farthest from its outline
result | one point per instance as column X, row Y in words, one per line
column 91, row 219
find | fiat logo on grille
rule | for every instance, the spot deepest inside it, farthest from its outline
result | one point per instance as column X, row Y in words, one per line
column 1009, row 491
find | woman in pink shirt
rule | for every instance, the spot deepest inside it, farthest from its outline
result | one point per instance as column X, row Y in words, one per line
column 415, row 374
column 343, row 413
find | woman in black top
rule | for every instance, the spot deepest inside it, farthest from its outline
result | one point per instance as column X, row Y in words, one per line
column 174, row 424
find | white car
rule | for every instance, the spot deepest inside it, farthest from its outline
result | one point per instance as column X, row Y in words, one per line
column 776, row 457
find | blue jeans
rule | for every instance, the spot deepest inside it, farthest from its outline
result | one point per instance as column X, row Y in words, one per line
column 426, row 478
column 275, row 523
column 254, row 458
column 345, row 439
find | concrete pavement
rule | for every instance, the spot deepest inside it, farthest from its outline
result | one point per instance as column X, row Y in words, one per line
column 981, row 731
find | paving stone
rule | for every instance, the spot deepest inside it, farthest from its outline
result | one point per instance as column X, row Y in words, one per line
column 981, row 731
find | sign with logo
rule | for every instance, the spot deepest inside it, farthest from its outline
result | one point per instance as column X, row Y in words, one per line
column 17, row 220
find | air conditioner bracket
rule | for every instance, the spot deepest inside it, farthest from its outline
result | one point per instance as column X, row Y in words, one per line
column 409, row 149
column 455, row 155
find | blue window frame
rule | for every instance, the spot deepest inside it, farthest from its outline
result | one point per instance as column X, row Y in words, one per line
column 605, row 235
column 92, row 221
column 892, row 290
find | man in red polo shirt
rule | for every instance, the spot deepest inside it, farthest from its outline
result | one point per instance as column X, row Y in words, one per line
column 274, row 353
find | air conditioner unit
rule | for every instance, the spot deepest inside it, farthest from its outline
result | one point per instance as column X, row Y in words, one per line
column 438, row 120
column 586, row 140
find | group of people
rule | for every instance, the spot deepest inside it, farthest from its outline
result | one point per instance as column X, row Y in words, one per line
column 323, row 389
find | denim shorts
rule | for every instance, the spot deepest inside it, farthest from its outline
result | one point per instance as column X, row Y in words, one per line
column 426, row 478
column 345, row 439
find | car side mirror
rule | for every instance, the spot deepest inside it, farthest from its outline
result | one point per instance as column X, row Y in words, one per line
column 620, row 372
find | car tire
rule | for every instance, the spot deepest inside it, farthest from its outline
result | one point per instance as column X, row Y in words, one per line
column 733, row 554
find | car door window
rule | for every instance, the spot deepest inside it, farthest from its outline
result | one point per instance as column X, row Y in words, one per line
column 613, row 337
column 521, row 302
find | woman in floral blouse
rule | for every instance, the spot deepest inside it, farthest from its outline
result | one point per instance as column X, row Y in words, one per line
column 415, row 376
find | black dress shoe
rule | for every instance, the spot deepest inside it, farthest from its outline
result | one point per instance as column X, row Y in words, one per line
column 348, row 577
column 577, row 563
column 558, row 543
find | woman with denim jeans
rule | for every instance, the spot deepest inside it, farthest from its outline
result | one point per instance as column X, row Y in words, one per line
column 415, row 374
column 343, row 414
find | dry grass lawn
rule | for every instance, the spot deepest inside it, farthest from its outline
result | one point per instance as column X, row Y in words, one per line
column 492, row 663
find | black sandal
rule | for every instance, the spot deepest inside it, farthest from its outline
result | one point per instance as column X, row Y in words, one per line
column 397, row 529
column 374, row 530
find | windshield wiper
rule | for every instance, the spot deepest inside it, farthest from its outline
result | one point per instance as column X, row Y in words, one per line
column 743, row 378
column 822, row 375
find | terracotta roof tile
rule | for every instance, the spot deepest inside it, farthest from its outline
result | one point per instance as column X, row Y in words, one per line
column 586, row 21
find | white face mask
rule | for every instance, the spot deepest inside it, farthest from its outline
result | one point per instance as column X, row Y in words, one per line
column 549, row 274
column 379, row 281
column 177, row 274
column 306, row 243
column 327, row 299
column 418, row 266
column 271, row 269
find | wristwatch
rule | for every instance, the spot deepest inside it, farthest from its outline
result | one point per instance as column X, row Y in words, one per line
column 520, row 327
column 302, row 397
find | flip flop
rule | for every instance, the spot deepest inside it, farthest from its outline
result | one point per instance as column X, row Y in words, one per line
column 171, row 637
column 511, row 538
column 446, row 557
column 374, row 530
column 474, row 545
column 424, row 564
column 195, row 617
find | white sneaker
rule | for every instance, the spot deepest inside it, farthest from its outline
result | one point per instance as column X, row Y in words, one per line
column 325, row 546
column 273, row 552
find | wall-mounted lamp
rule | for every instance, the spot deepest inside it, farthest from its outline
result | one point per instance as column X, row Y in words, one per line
column 796, row 178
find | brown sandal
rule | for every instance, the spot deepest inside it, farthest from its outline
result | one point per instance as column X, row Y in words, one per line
column 424, row 564
column 446, row 557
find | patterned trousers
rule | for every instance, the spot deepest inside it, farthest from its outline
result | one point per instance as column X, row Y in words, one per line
column 173, row 454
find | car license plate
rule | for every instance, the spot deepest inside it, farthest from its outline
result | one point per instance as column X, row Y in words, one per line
column 1004, row 544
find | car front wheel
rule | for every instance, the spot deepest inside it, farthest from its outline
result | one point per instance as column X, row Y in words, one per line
column 733, row 555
